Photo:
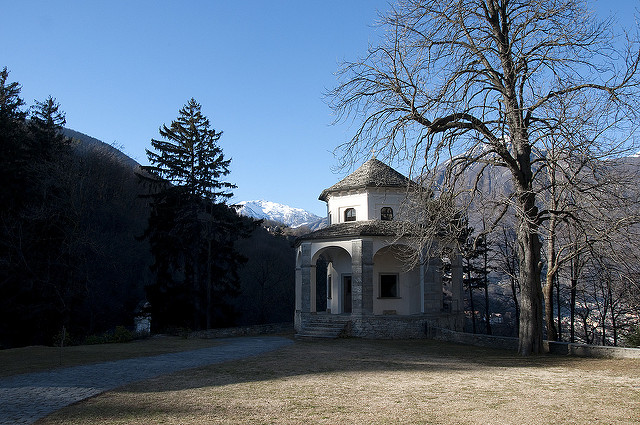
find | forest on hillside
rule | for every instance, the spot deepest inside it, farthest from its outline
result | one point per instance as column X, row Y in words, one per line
column 75, row 255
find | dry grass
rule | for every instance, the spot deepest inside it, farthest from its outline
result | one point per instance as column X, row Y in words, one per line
column 378, row 382
column 38, row 358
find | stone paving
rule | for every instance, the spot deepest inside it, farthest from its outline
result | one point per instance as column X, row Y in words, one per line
column 26, row 398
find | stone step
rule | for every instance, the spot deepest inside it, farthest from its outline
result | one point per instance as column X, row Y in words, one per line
column 322, row 328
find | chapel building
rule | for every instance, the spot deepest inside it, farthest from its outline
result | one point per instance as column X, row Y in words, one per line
column 369, row 290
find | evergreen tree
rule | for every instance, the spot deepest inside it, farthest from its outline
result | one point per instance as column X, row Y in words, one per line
column 51, row 257
column 46, row 122
column 13, row 137
column 12, row 142
column 191, row 229
column 190, row 157
column 474, row 252
column 36, row 287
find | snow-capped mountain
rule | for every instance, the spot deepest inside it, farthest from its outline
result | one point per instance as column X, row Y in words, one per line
column 292, row 217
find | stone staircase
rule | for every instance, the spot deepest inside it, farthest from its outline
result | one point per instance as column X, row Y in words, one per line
column 323, row 326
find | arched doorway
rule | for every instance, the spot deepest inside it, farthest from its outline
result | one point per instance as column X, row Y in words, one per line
column 333, row 280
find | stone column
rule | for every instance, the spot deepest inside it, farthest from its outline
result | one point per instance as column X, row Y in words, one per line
column 456, row 284
column 305, row 275
column 362, row 277
column 432, row 286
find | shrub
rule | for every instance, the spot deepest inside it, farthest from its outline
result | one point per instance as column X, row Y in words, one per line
column 118, row 335
column 94, row 339
column 57, row 339
column 121, row 334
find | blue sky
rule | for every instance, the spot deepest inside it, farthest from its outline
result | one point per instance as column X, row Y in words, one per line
column 121, row 69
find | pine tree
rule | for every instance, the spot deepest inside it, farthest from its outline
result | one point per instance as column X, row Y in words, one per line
column 46, row 122
column 191, row 229
column 48, row 214
column 13, row 138
column 190, row 157
column 474, row 252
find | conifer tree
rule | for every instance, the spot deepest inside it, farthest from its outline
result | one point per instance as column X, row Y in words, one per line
column 12, row 138
column 191, row 230
column 190, row 157
column 48, row 213
column 12, row 141
column 46, row 122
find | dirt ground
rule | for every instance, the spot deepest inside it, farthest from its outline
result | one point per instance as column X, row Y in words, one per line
column 350, row 381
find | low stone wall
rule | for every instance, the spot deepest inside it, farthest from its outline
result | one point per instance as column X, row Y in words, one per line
column 506, row 343
column 478, row 340
column 584, row 350
column 254, row 330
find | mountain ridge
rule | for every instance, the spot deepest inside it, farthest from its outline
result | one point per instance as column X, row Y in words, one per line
column 285, row 214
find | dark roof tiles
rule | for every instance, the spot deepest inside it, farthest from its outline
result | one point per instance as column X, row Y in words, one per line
column 373, row 173
column 360, row 228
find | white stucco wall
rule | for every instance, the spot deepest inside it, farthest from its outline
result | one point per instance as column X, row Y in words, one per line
column 337, row 205
column 379, row 198
column 409, row 295
column 367, row 204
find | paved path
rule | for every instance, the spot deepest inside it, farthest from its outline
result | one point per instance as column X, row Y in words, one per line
column 29, row 397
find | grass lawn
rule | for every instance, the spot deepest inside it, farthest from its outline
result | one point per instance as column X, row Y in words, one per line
column 350, row 381
column 38, row 358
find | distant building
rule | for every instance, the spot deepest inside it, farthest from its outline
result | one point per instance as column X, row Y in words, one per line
column 369, row 291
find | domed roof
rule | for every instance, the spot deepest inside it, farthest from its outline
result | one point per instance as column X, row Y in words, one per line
column 373, row 173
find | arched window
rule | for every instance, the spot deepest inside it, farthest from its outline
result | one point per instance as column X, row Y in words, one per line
column 386, row 213
column 350, row 214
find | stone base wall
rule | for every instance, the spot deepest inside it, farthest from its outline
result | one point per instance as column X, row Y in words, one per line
column 387, row 326
column 400, row 327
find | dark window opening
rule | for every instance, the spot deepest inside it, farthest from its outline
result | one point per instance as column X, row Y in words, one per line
column 388, row 286
column 386, row 213
column 350, row 214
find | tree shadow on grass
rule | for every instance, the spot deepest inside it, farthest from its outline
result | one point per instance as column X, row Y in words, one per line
column 297, row 376
column 359, row 356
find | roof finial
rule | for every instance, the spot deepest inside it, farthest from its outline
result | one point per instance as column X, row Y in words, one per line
column 373, row 153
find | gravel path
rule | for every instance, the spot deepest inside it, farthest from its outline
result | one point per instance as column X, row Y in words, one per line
column 26, row 398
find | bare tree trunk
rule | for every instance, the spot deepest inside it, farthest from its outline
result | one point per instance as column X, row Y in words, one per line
column 559, row 314
column 209, row 277
column 196, row 294
column 530, row 328
column 514, row 292
column 574, row 286
column 572, row 331
column 613, row 308
column 487, row 313
column 552, row 334
column 473, row 309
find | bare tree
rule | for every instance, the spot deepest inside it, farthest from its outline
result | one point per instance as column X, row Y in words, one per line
column 507, row 264
column 479, row 82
